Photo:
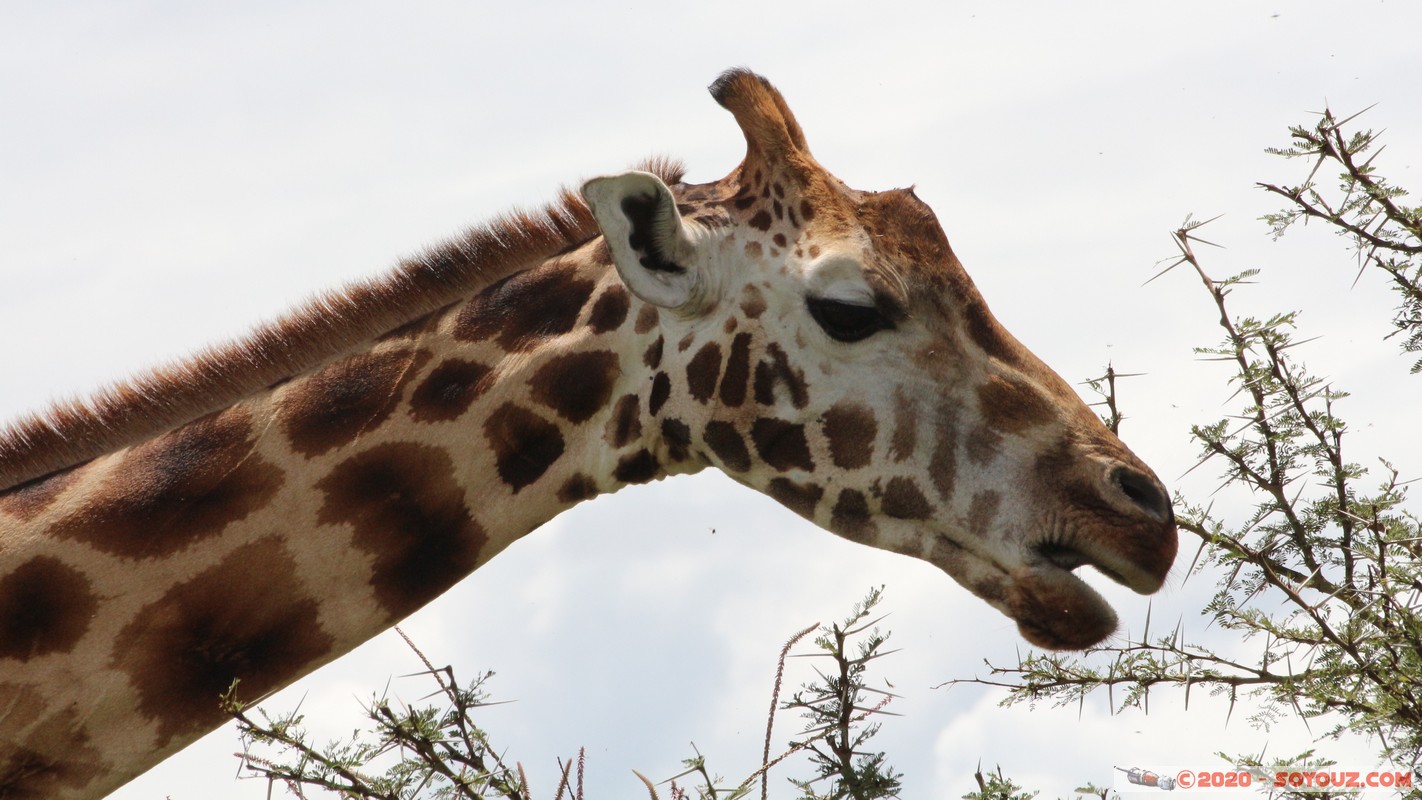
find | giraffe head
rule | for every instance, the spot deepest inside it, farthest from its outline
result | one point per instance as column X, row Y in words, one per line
column 823, row 345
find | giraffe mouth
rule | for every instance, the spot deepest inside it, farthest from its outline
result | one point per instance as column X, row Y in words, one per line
column 1057, row 610
column 1054, row 608
column 1069, row 557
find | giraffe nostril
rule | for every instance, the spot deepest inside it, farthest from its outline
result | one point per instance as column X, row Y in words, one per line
column 1144, row 492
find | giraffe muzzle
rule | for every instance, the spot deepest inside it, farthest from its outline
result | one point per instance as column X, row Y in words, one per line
column 1117, row 519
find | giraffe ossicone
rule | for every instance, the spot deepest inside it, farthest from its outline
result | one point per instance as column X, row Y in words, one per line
column 269, row 506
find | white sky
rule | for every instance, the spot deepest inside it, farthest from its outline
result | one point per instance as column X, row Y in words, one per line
column 171, row 173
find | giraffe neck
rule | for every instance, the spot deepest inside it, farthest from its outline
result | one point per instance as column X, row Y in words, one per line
column 265, row 539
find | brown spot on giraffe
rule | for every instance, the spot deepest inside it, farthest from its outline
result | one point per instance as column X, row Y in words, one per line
column 653, row 357
column 45, row 607
column 246, row 618
column 850, row 517
column 647, row 318
column 782, row 444
column 761, row 221
column 904, row 500
column 30, row 499
column 677, row 437
column 753, row 250
column 340, row 402
column 777, row 372
column 180, row 488
column 802, row 498
column 410, row 515
column 525, row 445
column 982, row 446
column 1012, row 406
column 943, row 464
column 625, row 424
column 736, row 379
column 905, row 437
column 638, row 467
column 850, row 429
column 527, row 308
column 577, row 488
column 610, row 310
column 576, row 385
column 448, row 391
column 985, row 331
column 982, row 511
column 702, row 372
column 752, row 301
column 661, row 390
column 726, row 442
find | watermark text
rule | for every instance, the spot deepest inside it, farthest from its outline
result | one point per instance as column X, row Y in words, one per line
column 1298, row 779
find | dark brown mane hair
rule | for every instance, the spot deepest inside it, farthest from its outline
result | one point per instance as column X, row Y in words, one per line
column 74, row 431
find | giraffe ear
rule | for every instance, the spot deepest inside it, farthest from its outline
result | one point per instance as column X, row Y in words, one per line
column 644, row 232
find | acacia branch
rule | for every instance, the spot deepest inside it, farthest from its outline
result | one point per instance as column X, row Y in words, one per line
column 1333, row 218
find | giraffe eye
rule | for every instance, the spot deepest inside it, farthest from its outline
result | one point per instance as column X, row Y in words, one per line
column 847, row 322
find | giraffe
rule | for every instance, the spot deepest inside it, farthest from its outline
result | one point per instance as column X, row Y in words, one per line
column 263, row 508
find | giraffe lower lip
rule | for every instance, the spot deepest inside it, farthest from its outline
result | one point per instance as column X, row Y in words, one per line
column 1056, row 610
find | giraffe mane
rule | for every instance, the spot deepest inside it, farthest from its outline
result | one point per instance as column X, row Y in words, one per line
column 126, row 412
